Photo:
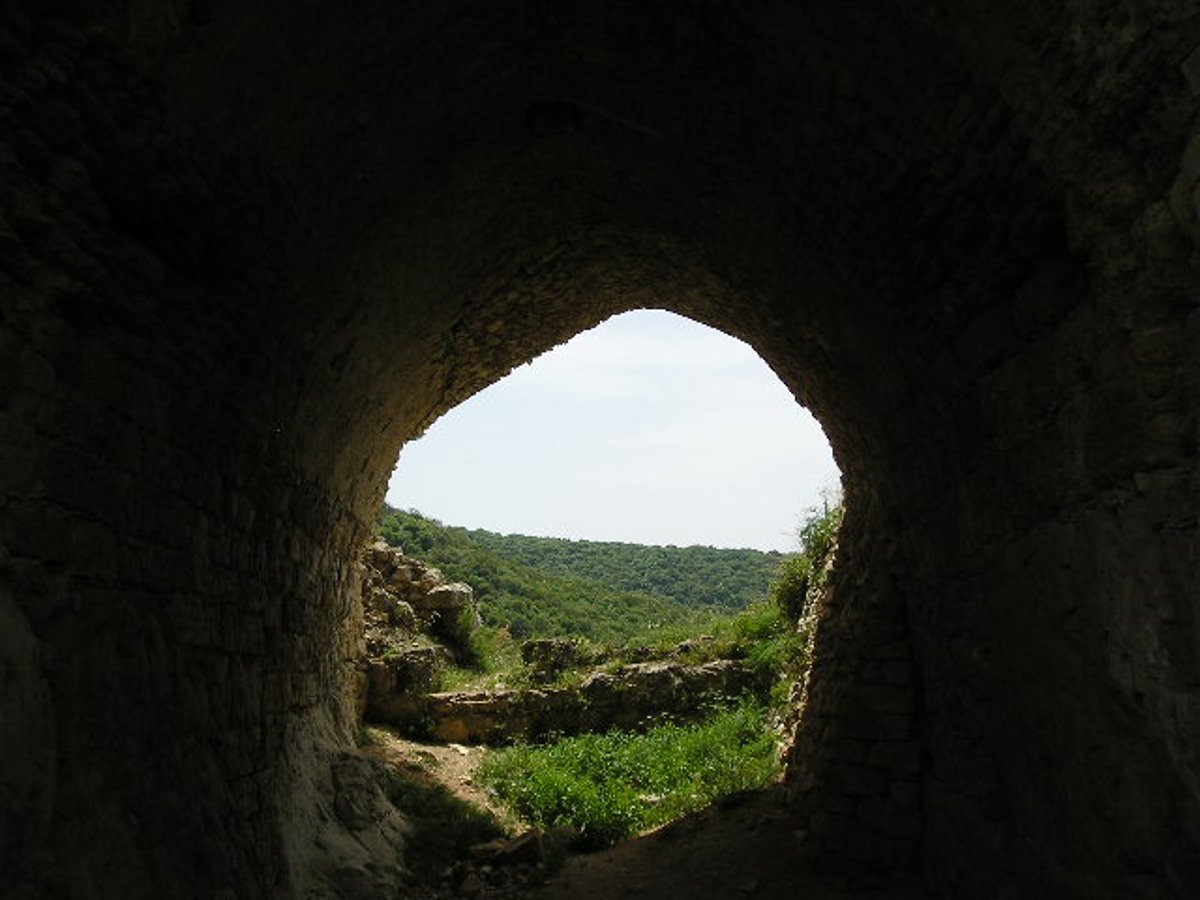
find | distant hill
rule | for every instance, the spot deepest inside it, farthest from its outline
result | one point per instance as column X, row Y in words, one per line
column 529, row 602
column 691, row 576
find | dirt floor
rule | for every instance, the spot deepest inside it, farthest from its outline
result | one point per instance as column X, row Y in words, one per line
column 740, row 849
column 743, row 850
column 453, row 765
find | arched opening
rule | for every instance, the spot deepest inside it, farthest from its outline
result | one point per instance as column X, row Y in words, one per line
column 649, row 429
column 660, row 441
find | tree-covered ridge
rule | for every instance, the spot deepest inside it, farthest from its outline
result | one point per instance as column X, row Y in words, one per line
column 528, row 602
column 691, row 576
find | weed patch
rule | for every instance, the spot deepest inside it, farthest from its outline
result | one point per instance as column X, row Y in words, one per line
column 610, row 786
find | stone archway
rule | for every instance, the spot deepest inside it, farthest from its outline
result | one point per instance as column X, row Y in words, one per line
column 248, row 253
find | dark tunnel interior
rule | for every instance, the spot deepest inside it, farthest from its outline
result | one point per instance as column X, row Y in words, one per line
column 248, row 250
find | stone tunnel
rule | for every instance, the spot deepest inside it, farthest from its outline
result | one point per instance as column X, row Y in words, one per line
column 247, row 250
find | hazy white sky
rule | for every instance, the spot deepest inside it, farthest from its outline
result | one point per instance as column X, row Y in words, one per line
column 650, row 428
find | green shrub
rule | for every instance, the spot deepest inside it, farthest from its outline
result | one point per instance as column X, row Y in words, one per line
column 609, row 786
column 790, row 588
column 818, row 533
column 805, row 572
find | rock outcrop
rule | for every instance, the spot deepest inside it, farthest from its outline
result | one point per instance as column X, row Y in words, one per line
column 628, row 697
column 416, row 625
column 546, row 658
column 406, row 594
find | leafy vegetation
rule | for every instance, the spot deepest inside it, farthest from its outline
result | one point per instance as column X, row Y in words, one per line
column 761, row 634
column 806, row 572
column 691, row 576
column 523, row 600
column 609, row 786
column 518, row 602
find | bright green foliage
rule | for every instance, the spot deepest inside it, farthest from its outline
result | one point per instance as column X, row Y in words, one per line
column 526, row 602
column 805, row 572
column 773, row 646
column 760, row 634
column 819, row 531
column 609, row 786
column 412, row 531
column 691, row 576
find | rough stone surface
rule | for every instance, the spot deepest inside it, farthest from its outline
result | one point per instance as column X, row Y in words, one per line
column 449, row 597
column 248, row 250
column 409, row 671
column 415, row 623
column 629, row 697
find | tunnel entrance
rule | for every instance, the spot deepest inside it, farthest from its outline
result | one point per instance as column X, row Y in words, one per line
column 649, row 428
column 643, row 682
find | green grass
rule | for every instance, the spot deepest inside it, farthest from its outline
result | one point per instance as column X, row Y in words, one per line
column 610, row 786
column 761, row 634
column 496, row 663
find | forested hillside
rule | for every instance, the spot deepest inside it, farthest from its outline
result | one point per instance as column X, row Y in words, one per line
column 691, row 576
column 528, row 602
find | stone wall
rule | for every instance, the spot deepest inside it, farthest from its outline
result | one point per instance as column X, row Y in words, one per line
column 177, row 591
column 629, row 697
column 248, row 251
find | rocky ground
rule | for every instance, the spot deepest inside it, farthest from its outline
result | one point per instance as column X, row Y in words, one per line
column 741, row 849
